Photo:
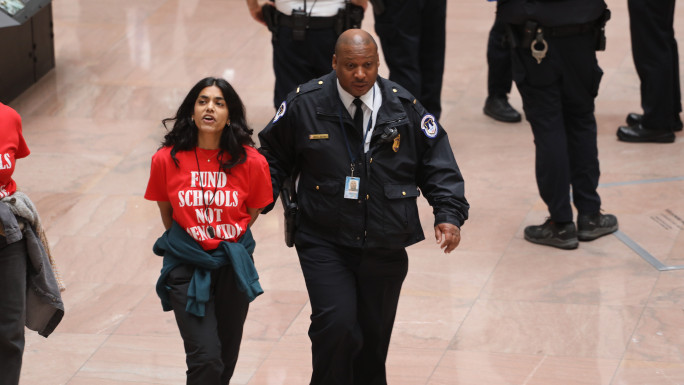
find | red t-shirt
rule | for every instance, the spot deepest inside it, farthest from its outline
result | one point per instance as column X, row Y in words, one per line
column 12, row 147
column 227, row 194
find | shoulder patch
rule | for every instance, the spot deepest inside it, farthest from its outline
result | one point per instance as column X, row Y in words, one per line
column 281, row 111
column 429, row 126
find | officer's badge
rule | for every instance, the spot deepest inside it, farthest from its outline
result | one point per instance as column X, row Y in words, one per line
column 281, row 111
column 395, row 145
column 429, row 126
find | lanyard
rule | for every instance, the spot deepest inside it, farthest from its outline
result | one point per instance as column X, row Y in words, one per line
column 364, row 138
column 352, row 157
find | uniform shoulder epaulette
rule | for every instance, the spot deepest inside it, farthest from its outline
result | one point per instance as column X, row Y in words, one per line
column 402, row 93
column 312, row 85
column 301, row 89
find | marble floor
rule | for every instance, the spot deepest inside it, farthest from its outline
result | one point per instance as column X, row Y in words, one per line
column 497, row 311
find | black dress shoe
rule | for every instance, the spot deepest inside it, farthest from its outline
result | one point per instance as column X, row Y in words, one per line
column 639, row 134
column 633, row 119
column 499, row 109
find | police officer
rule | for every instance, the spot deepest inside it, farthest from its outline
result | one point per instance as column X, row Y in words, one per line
column 499, row 76
column 413, row 38
column 303, row 36
column 351, row 238
column 656, row 59
column 557, row 74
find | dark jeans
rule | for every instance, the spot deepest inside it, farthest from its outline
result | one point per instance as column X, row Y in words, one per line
column 656, row 59
column 212, row 342
column 12, row 309
column 558, row 98
column 354, row 295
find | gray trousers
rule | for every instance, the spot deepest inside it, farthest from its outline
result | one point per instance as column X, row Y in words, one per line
column 12, row 309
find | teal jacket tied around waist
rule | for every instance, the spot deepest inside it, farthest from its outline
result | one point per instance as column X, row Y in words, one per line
column 178, row 247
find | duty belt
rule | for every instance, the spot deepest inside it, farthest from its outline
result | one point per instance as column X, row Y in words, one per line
column 313, row 22
column 533, row 35
column 561, row 31
column 569, row 30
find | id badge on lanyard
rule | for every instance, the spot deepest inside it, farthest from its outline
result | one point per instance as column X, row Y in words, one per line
column 351, row 185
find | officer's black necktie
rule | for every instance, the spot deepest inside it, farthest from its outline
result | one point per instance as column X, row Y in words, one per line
column 358, row 116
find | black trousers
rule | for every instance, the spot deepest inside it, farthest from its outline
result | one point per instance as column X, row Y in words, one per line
column 354, row 295
column 413, row 38
column 558, row 98
column 13, row 261
column 212, row 342
column 499, row 73
column 296, row 62
column 656, row 59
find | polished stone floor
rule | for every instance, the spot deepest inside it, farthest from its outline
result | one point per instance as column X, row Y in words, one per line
column 497, row 311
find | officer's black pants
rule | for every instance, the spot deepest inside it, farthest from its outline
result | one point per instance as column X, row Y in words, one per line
column 354, row 295
column 413, row 38
column 212, row 342
column 499, row 74
column 656, row 59
column 12, row 309
column 296, row 62
column 558, row 99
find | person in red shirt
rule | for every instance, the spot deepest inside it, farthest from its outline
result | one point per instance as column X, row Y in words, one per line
column 12, row 147
column 210, row 184
column 12, row 254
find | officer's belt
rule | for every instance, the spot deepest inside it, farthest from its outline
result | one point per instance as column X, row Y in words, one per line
column 312, row 22
column 564, row 30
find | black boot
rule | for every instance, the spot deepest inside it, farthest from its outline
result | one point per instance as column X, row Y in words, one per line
column 498, row 108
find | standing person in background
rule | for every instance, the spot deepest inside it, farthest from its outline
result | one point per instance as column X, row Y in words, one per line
column 413, row 38
column 303, row 36
column 358, row 182
column 210, row 184
column 656, row 59
column 557, row 74
column 499, row 76
column 29, row 291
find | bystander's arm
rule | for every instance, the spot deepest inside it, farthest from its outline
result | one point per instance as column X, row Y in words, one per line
column 361, row 3
column 255, row 10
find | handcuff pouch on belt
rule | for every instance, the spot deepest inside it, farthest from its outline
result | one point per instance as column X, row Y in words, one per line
column 270, row 17
column 350, row 16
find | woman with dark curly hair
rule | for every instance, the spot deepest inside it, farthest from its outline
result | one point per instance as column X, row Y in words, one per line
column 210, row 184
